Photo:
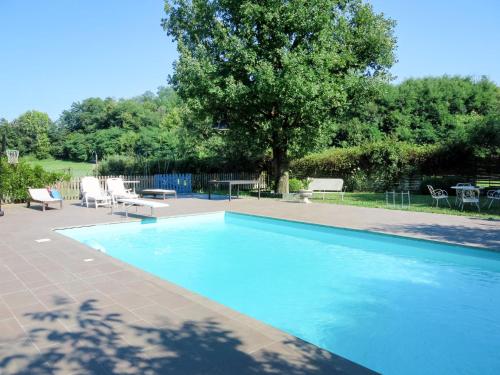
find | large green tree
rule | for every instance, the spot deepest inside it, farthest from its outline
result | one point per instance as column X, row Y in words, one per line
column 276, row 73
column 31, row 133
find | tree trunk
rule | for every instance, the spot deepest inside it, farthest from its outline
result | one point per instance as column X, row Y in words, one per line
column 280, row 170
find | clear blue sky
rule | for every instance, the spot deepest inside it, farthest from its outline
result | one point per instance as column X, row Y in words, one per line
column 54, row 52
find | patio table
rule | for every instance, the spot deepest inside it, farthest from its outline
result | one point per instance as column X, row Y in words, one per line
column 460, row 191
column 230, row 183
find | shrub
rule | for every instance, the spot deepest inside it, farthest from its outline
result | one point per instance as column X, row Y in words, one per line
column 16, row 179
column 295, row 184
column 118, row 165
column 374, row 166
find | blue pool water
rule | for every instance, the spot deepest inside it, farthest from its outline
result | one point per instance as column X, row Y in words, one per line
column 395, row 305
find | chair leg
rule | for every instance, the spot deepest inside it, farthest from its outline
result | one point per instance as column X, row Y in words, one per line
column 447, row 201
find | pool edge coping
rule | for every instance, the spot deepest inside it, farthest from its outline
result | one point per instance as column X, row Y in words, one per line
column 375, row 232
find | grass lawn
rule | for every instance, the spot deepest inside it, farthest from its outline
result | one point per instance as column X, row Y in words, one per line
column 75, row 169
column 422, row 203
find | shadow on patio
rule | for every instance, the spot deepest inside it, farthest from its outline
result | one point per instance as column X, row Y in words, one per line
column 487, row 234
column 100, row 341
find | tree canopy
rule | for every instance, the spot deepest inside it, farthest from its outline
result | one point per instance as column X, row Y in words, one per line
column 277, row 73
column 28, row 133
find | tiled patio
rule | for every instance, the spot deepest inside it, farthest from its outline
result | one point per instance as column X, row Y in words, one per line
column 66, row 308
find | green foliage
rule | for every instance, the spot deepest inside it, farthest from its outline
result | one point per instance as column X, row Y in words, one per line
column 75, row 147
column 276, row 74
column 485, row 137
column 29, row 134
column 296, row 184
column 16, row 179
column 425, row 110
column 123, row 164
column 374, row 166
column 148, row 125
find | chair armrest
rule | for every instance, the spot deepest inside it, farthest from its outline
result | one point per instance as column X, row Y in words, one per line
column 441, row 192
column 493, row 193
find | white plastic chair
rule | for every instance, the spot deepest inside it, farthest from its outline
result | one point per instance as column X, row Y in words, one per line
column 438, row 194
column 116, row 188
column 91, row 191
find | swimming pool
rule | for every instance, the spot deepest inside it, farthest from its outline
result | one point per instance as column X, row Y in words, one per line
column 395, row 305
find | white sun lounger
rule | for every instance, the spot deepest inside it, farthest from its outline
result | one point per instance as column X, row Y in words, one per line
column 155, row 192
column 42, row 196
column 116, row 188
column 127, row 203
column 91, row 191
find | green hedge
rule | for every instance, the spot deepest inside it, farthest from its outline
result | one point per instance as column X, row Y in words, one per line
column 16, row 179
column 374, row 166
column 129, row 165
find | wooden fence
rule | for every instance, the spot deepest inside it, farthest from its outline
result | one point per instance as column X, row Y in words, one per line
column 187, row 183
column 70, row 190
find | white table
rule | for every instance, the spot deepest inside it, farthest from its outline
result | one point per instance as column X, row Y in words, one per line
column 232, row 183
column 463, row 188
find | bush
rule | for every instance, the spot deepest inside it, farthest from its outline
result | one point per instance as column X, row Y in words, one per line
column 120, row 165
column 295, row 184
column 16, row 179
column 371, row 167
column 123, row 165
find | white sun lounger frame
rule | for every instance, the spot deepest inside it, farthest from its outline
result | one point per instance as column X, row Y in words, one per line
column 127, row 203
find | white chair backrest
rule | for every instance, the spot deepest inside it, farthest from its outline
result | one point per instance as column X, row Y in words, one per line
column 90, row 185
column 115, row 185
column 431, row 189
column 40, row 194
column 468, row 195
column 326, row 184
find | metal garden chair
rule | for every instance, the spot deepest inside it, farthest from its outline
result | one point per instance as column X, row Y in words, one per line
column 438, row 194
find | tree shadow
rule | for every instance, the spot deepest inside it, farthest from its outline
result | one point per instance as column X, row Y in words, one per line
column 88, row 339
column 487, row 234
column 38, row 207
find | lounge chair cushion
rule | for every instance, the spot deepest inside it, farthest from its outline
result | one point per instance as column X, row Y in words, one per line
column 56, row 194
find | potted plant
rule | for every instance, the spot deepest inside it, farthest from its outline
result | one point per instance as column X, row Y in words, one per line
column 300, row 188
